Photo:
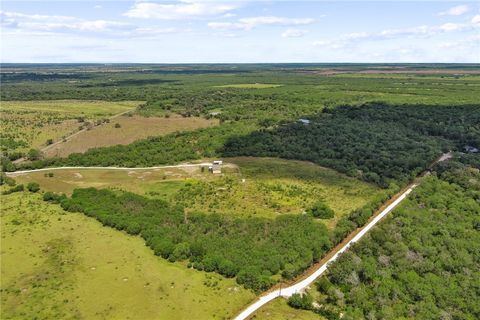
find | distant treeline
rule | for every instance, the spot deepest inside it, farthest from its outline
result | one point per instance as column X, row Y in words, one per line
column 375, row 142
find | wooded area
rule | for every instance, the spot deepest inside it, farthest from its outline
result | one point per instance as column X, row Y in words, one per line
column 376, row 142
column 421, row 263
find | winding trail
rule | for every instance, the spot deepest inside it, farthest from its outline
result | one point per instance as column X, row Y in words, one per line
column 302, row 284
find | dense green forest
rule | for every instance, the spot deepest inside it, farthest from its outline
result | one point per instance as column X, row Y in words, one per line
column 253, row 250
column 375, row 142
column 422, row 263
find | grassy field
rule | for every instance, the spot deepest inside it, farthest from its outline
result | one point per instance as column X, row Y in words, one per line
column 29, row 124
column 252, row 187
column 131, row 128
column 250, row 86
column 57, row 265
column 278, row 309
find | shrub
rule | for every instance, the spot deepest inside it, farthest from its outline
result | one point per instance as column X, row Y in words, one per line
column 300, row 301
column 33, row 187
column 17, row 188
column 34, row 154
column 321, row 210
column 6, row 180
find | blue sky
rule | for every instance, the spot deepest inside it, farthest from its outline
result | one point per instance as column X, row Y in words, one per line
column 191, row 31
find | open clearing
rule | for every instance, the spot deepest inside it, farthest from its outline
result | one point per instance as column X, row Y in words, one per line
column 250, row 86
column 58, row 265
column 131, row 128
column 29, row 124
column 251, row 187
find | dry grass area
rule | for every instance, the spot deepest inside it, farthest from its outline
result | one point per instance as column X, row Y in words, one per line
column 131, row 128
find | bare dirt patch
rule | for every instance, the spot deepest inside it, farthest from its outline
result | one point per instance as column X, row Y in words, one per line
column 128, row 130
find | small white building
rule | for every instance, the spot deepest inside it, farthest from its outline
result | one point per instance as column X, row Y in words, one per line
column 304, row 121
column 216, row 167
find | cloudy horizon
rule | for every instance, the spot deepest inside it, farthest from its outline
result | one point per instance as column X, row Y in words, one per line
column 191, row 31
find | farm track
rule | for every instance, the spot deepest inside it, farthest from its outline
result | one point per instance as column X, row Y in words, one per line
column 186, row 165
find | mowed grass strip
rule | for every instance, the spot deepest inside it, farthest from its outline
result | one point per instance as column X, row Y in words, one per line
column 125, row 130
column 57, row 265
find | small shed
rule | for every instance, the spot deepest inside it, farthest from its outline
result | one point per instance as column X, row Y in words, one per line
column 471, row 149
column 304, row 121
column 216, row 167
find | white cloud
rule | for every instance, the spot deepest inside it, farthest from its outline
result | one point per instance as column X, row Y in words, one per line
column 229, row 15
column 253, row 22
column 293, row 33
column 38, row 17
column 155, row 30
column 97, row 6
column 181, row 10
column 447, row 45
column 455, row 11
column 419, row 31
column 38, row 24
column 476, row 20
